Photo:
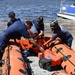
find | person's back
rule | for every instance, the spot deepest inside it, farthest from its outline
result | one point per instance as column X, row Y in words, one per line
column 16, row 30
column 62, row 32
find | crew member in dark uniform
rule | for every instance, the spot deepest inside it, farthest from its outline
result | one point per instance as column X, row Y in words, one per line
column 12, row 17
column 39, row 26
column 61, row 32
column 17, row 29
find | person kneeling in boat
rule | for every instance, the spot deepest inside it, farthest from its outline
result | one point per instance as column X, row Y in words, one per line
column 17, row 29
column 60, row 32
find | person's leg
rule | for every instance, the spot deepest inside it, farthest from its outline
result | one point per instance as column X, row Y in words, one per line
column 3, row 42
column 69, row 41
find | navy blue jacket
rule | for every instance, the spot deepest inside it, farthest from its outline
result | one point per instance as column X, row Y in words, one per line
column 63, row 34
column 38, row 27
column 16, row 30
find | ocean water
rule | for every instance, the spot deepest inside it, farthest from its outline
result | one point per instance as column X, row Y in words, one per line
column 30, row 9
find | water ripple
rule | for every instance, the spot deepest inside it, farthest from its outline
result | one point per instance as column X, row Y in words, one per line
column 26, row 9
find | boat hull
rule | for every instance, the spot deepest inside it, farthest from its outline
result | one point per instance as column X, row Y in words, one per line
column 67, row 54
column 13, row 65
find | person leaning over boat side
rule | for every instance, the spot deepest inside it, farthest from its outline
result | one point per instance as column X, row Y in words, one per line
column 39, row 25
column 61, row 32
column 12, row 17
column 17, row 29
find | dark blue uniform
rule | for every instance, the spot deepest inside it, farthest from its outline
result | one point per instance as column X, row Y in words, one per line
column 63, row 34
column 38, row 27
column 16, row 30
column 12, row 21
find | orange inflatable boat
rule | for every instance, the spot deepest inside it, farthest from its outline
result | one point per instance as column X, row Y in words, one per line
column 13, row 63
column 59, row 73
column 58, row 49
column 49, row 61
column 66, row 53
column 25, row 44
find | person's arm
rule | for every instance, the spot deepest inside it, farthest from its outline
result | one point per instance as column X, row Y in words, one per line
column 32, row 34
column 6, row 27
column 41, row 30
column 35, row 44
column 41, row 33
column 50, row 40
column 54, row 36
column 8, row 24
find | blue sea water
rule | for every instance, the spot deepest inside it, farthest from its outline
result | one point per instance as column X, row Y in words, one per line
column 30, row 9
